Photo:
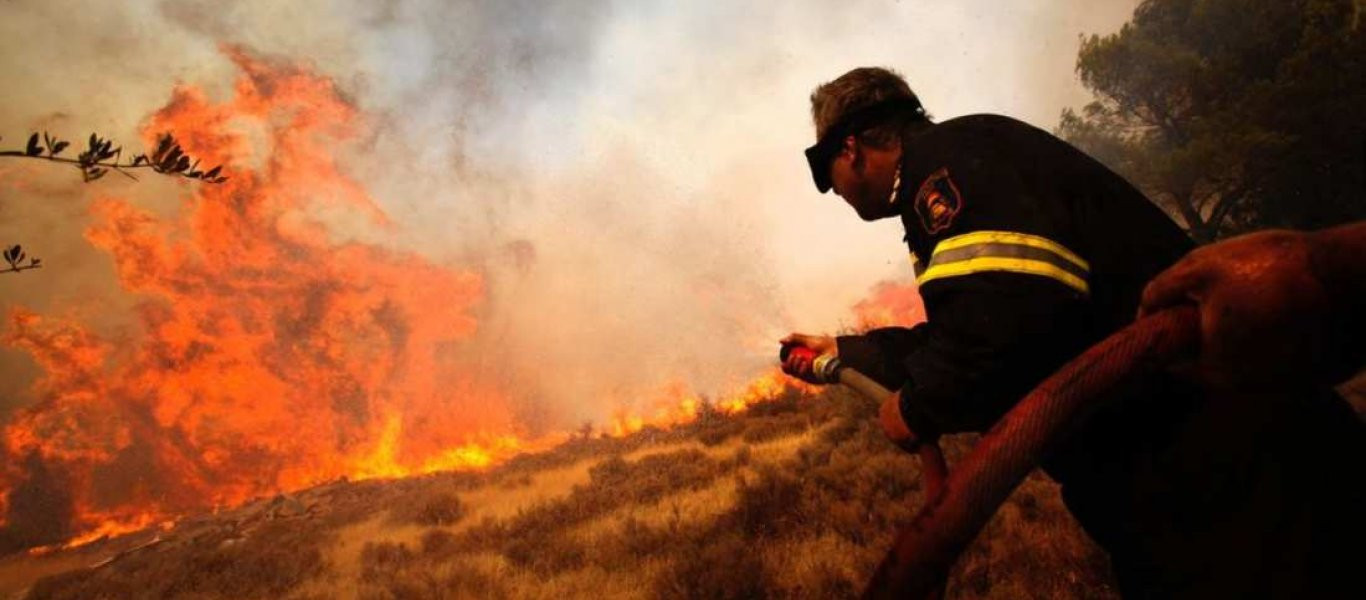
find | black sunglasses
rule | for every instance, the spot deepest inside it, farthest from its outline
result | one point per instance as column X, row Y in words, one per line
column 820, row 156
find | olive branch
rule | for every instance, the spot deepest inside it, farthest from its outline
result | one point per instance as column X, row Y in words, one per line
column 102, row 156
column 99, row 158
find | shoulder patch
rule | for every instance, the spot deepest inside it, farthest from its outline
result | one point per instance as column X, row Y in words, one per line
column 938, row 202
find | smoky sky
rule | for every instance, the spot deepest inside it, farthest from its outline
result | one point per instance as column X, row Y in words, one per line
column 627, row 175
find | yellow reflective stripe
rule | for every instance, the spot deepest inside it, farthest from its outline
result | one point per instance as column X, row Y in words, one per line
column 1014, row 265
column 1010, row 237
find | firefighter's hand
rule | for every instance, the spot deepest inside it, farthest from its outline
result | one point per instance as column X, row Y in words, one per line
column 799, row 365
column 1263, row 312
column 894, row 425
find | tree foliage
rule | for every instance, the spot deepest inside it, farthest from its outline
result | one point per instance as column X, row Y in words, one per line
column 1233, row 114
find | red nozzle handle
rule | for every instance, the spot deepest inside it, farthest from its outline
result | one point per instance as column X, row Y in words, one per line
column 787, row 349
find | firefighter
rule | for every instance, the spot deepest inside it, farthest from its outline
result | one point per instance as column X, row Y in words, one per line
column 1027, row 251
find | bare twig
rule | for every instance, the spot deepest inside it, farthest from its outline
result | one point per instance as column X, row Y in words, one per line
column 21, row 268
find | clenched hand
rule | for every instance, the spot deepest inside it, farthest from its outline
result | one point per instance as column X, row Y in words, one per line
column 799, row 365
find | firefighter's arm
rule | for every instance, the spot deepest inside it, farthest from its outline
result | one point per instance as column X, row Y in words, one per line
column 991, row 337
column 879, row 352
column 876, row 354
column 1276, row 307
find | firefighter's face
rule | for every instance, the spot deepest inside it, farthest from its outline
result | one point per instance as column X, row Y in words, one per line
column 852, row 179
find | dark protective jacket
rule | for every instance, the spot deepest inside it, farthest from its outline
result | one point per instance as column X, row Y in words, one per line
column 1027, row 252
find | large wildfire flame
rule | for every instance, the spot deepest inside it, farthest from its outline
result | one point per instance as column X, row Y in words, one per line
column 273, row 356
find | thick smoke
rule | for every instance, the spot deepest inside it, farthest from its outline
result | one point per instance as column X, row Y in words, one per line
column 627, row 173
column 623, row 176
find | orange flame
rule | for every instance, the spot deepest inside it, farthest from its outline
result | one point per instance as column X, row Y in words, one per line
column 890, row 303
column 677, row 405
column 272, row 355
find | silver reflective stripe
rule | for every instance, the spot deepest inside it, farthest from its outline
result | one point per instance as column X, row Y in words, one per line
column 1006, row 251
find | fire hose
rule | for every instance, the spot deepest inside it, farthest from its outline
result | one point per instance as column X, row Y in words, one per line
column 958, row 506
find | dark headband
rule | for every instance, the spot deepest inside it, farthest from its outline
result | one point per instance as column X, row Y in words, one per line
column 824, row 152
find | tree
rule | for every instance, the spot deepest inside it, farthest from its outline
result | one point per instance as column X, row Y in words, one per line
column 1233, row 114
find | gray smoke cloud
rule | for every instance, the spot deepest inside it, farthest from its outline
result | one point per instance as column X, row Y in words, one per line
column 626, row 174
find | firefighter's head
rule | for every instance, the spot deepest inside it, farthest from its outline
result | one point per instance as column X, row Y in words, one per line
column 860, row 119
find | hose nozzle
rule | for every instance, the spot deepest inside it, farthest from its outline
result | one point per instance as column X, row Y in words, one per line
column 825, row 368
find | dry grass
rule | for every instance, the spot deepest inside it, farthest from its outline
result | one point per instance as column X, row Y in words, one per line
column 517, row 494
column 798, row 500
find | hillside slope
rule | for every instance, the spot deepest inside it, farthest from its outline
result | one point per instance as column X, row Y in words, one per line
column 797, row 498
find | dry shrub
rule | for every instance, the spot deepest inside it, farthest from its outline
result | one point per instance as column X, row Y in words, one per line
column 391, row 571
column 767, row 506
column 720, row 431
column 844, row 402
column 884, row 476
column 826, row 586
column 535, row 537
column 743, row 455
column 614, row 471
column 1032, row 547
column 649, row 478
column 530, row 525
column 632, row 543
column 768, row 428
column 434, row 508
column 640, row 541
column 466, row 581
column 657, row 475
column 720, row 567
column 548, row 553
column 377, row 558
column 816, row 568
column 841, row 430
column 487, row 534
column 439, row 544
